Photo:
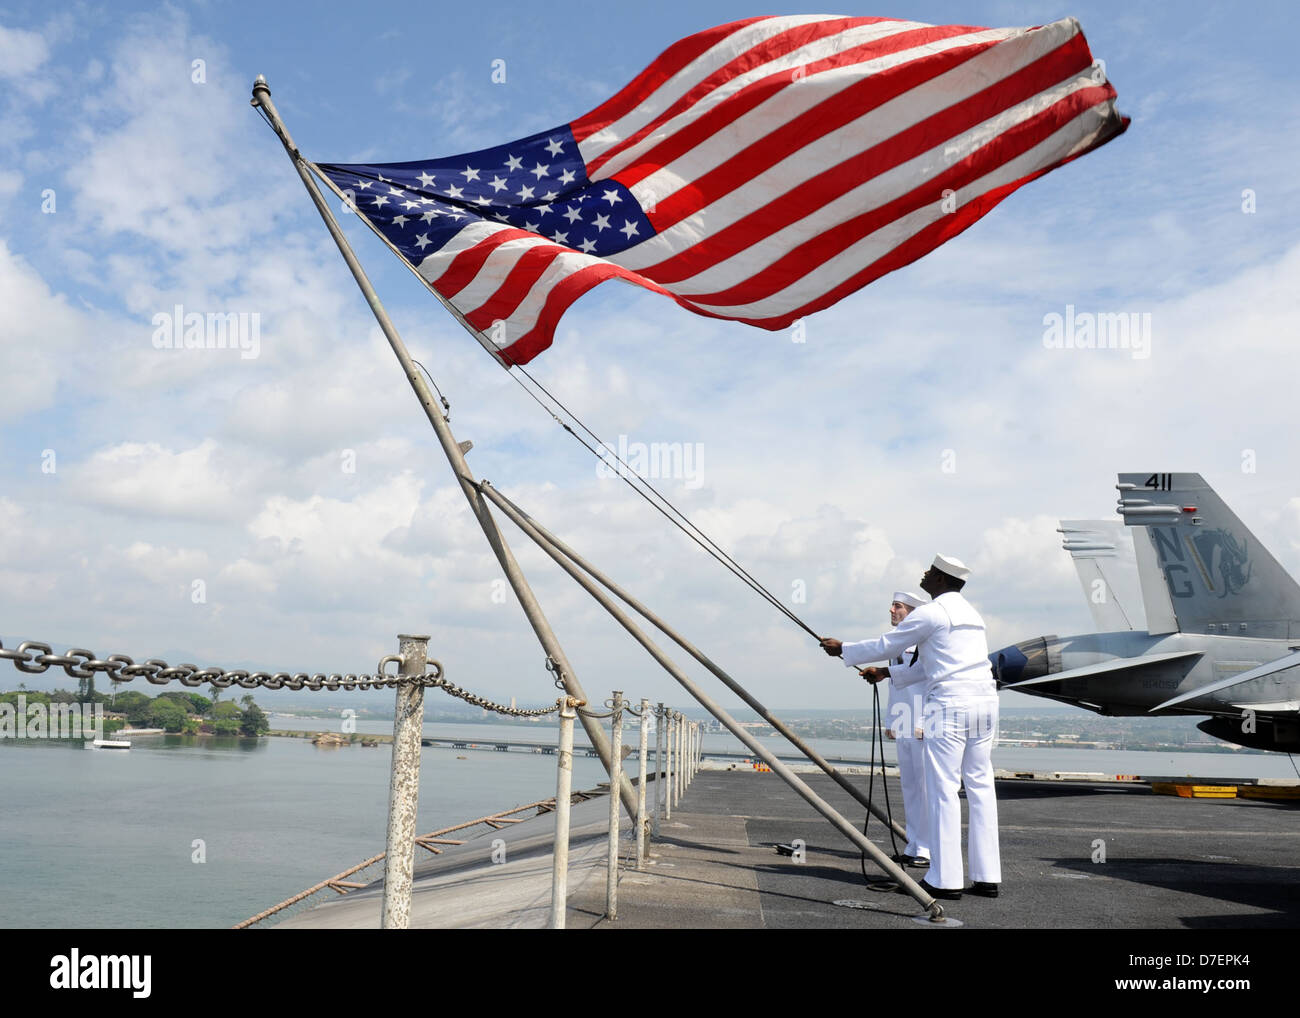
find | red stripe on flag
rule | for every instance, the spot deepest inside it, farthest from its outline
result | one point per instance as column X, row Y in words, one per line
column 769, row 49
column 936, row 233
column 677, row 56
column 809, row 256
column 514, row 288
column 804, row 200
column 466, row 264
column 1025, row 135
column 843, row 107
column 563, row 294
column 920, row 244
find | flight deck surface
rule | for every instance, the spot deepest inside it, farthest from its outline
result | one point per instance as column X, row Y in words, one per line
column 1075, row 855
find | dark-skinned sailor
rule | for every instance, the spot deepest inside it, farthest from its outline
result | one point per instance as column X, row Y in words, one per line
column 959, row 722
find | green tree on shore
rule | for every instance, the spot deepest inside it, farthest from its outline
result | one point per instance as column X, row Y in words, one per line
column 253, row 720
column 167, row 714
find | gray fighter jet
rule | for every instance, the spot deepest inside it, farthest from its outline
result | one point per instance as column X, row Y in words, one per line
column 1222, row 620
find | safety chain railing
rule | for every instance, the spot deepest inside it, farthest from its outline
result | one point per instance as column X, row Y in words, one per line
column 678, row 755
column 34, row 658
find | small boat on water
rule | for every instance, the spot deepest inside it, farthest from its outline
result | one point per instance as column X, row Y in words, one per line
column 108, row 744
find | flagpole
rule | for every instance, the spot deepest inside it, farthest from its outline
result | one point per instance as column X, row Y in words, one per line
column 455, row 454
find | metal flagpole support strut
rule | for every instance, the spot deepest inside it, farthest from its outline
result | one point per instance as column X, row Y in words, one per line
column 704, row 700
column 455, row 454
column 751, row 701
column 404, row 783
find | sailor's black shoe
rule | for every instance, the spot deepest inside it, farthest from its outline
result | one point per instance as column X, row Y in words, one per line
column 940, row 893
column 916, row 862
column 984, row 889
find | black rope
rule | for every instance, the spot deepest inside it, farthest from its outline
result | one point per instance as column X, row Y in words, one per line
column 878, row 884
column 757, row 589
column 686, row 526
column 715, row 552
column 446, row 416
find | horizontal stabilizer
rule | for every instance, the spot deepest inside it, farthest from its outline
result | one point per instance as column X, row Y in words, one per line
column 1282, row 707
column 1281, row 664
column 1119, row 664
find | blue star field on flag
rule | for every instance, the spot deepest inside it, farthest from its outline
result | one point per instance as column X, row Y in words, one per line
column 537, row 184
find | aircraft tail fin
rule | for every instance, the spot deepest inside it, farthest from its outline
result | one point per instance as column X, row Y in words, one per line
column 1215, row 574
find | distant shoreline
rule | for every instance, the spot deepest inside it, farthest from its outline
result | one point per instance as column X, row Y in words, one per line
column 358, row 737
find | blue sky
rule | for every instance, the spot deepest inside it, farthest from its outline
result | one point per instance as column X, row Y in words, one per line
column 922, row 414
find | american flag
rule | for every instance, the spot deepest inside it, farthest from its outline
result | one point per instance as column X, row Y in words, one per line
column 758, row 171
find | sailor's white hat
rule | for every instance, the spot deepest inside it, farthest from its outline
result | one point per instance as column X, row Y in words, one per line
column 951, row 566
column 908, row 598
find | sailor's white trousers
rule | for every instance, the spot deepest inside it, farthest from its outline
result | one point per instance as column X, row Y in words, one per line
column 958, row 747
column 911, row 774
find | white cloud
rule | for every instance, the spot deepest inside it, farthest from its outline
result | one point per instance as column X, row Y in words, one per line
column 21, row 52
column 195, row 202
column 36, row 330
column 148, row 479
column 165, row 564
column 254, row 577
column 340, row 542
column 1029, row 548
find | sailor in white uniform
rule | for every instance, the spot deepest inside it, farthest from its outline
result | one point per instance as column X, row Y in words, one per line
column 906, row 690
column 960, row 723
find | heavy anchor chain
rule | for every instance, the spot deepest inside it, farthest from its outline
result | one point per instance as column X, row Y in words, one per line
column 34, row 658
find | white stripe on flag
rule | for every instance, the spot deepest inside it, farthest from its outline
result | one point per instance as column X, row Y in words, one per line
column 869, row 249
column 524, row 318
column 796, row 169
column 820, row 49
column 494, row 270
column 717, row 56
column 435, row 266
